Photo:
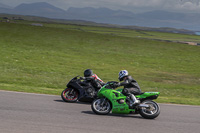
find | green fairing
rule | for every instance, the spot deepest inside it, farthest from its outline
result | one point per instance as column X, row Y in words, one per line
column 147, row 94
column 114, row 95
column 144, row 95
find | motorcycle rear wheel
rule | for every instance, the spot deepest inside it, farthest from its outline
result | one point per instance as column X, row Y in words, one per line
column 152, row 111
column 70, row 95
column 100, row 109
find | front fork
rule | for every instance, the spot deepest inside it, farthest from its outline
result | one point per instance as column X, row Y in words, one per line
column 103, row 101
column 71, row 91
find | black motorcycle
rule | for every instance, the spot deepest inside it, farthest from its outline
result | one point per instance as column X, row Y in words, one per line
column 79, row 89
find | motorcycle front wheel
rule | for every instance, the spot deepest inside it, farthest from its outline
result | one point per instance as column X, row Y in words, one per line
column 150, row 112
column 69, row 95
column 101, row 106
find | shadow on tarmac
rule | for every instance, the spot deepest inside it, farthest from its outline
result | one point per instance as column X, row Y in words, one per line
column 114, row 115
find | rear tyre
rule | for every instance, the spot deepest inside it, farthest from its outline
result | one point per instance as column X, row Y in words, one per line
column 70, row 95
column 101, row 106
column 152, row 111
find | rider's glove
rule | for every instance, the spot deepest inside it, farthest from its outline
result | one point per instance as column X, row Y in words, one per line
column 116, row 85
column 82, row 78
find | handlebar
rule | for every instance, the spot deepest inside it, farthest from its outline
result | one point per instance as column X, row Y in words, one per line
column 112, row 84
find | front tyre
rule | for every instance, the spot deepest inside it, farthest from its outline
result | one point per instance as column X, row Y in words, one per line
column 150, row 112
column 101, row 106
column 70, row 95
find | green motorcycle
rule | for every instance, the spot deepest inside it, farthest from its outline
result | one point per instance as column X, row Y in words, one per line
column 111, row 99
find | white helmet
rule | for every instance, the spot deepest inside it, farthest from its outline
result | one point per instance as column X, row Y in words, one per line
column 122, row 74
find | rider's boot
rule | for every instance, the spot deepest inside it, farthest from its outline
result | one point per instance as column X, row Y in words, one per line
column 134, row 100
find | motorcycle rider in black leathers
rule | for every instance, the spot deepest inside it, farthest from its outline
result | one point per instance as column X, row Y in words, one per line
column 92, row 80
column 131, row 86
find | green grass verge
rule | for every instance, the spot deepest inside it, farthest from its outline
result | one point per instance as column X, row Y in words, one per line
column 43, row 59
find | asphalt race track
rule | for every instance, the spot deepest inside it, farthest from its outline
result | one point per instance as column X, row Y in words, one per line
column 33, row 113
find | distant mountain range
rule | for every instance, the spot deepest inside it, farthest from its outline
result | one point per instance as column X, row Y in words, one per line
column 190, row 21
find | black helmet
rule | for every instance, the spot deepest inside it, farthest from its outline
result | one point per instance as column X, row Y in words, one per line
column 88, row 72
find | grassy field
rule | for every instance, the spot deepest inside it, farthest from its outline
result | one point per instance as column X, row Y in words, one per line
column 152, row 35
column 43, row 59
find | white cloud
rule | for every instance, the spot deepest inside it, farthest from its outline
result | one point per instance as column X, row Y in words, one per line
column 190, row 7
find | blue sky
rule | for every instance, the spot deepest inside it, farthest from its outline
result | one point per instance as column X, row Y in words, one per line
column 128, row 5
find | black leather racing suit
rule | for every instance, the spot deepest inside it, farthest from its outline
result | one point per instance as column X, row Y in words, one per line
column 130, row 86
column 94, row 81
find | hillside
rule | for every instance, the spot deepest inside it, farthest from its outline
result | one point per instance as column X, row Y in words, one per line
column 42, row 59
column 155, row 19
column 89, row 23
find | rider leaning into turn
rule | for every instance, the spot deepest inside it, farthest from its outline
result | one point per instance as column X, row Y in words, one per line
column 94, row 79
column 131, row 86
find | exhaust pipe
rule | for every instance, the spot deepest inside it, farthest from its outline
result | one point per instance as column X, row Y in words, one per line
column 143, row 105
